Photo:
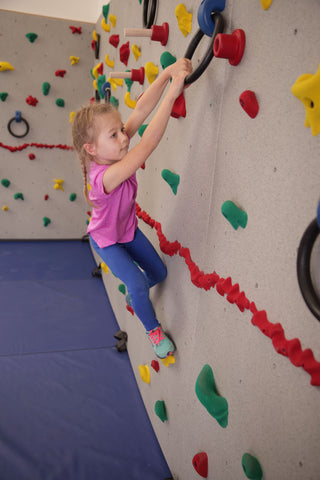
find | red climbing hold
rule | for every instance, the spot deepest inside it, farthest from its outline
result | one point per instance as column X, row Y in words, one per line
column 60, row 73
column 31, row 101
column 230, row 46
column 46, row 197
column 75, row 29
column 179, row 107
column 200, row 463
column 249, row 103
column 114, row 40
column 31, row 156
column 155, row 365
column 124, row 53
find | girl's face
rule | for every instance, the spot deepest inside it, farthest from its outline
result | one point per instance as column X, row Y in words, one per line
column 111, row 143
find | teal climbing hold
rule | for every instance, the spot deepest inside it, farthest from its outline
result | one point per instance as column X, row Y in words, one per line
column 122, row 288
column 72, row 197
column 3, row 96
column 60, row 102
column 46, row 88
column 18, row 195
column 235, row 216
column 142, row 129
column 167, row 59
column 160, row 409
column 172, row 179
column 251, row 467
column 128, row 82
column 5, row 182
column 46, row 221
column 207, row 394
column 31, row 37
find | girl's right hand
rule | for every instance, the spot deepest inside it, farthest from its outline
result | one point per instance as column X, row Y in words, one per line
column 177, row 84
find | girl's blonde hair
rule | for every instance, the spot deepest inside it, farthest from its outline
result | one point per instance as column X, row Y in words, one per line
column 85, row 130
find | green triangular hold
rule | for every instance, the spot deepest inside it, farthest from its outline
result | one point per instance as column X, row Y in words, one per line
column 105, row 11
column 160, row 410
column 167, row 59
column 3, row 96
column 235, row 216
column 251, row 467
column 31, row 37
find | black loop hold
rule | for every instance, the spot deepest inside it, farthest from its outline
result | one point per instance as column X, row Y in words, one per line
column 218, row 28
column 148, row 20
column 18, row 120
column 303, row 268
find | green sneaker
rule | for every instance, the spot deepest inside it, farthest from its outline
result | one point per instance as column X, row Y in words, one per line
column 162, row 344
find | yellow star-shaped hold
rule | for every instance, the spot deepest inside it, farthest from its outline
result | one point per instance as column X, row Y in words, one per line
column 307, row 89
column 151, row 71
column 184, row 19
column 74, row 60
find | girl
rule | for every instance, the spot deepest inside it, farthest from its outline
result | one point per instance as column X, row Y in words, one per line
column 102, row 143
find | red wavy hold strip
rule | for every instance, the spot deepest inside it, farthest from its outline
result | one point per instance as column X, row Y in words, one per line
column 289, row 348
column 36, row 145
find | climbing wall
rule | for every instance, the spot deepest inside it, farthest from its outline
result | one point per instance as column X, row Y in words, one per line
column 238, row 390
column 44, row 74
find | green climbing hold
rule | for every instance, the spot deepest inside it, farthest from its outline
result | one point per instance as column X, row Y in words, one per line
column 5, row 182
column 105, row 11
column 18, row 195
column 3, row 96
column 46, row 88
column 160, row 410
column 172, row 179
column 167, row 59
column 60, row 102
column 142, row 129
column 207, row 394
column 31, row 37
column 122, row 288
column 128, row 82
column 72, row 197
column 100, row 81
column 251, row 467
column 114, row 102
column 235, row 216
column 46, row 221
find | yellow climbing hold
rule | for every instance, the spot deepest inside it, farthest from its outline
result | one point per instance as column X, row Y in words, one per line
column 58, row 182
column 95, row 70
column 130, row 103
column 5, row 208
column 265, row 4
column 170, row 360
column 94, row 36
column 105, row 268
column 113, row 20
column 184, row 19
column 144, row 373
column 151, row 71
column 109, row 62
column 5, row 66
column 71, row 116
column 307, row 89
column 74, row 60
column 136, row 51
column 115, row 82
column 104, row 25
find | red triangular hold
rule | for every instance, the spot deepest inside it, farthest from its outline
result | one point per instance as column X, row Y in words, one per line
column 200, row 463
column 179, row 107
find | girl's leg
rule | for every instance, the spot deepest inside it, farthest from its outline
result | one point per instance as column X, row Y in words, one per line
column 122, row 264
column 143, row 252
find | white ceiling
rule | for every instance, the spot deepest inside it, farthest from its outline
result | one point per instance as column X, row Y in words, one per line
column 79, row 10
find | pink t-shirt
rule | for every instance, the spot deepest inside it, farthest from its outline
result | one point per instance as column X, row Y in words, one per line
column 115, row 221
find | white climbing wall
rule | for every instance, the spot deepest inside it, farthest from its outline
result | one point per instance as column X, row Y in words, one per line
column 268, row 166
column 36, row 63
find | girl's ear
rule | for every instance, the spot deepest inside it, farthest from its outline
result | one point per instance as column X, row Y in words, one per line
column 89, row 148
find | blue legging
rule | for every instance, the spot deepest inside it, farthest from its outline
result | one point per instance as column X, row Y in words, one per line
column 122, row 259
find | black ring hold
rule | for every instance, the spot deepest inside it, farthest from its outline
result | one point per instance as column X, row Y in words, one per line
column 148, row 20
column 218, row 28
column 303, row 268
column 21, row 120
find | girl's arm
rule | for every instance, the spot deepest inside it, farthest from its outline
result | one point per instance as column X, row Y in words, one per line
column 150, row 98
column 123, row 169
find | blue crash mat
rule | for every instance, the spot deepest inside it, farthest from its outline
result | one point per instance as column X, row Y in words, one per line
column 70, row 406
